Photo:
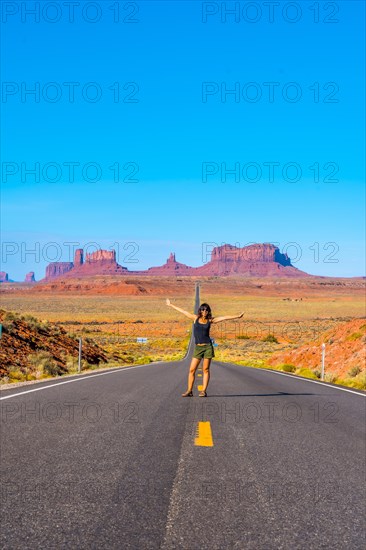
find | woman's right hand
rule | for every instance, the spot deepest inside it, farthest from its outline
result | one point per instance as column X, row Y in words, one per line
column 167, row 302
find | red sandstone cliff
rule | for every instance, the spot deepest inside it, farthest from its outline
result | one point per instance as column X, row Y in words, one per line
column 106, row 256
column 29, row 278
column 4, row 278
column 79, row 257
column 100, row 262
column 256, row 260
column 55, row 269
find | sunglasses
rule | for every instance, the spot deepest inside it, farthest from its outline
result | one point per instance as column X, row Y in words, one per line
column 203, row 308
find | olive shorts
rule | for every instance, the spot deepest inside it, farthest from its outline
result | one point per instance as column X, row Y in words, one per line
column 204, row 351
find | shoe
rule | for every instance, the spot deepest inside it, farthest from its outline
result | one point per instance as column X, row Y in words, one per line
column 187, row 394
column 202, row 394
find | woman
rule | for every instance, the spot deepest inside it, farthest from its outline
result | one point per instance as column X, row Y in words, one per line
column 203, row 348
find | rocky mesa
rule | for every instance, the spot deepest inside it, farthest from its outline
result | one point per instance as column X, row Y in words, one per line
column 256, row 260
column 100, row 262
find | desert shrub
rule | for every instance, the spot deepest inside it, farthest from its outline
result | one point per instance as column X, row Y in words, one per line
column 33, row 322
column 9, row 321
column 98, row 365
column 307, row 373
column 317, row 373
column 243, row 337
column 111, row 363
column 258, row 363
column 270, row 338
column 354, row 371
column 330, row 377
column 15, row 374
column 84, row 365
column 10, row 316
column 287, row 367
column 9, row 326
column 354, row 336
column 360, row 380
column 356, row 382
column 43, row 361
column 70, row 362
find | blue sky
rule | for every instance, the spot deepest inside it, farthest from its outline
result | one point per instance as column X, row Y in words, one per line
column 314, row 206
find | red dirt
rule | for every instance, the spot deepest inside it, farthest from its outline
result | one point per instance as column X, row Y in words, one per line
column 345, row 348
column 21, row 338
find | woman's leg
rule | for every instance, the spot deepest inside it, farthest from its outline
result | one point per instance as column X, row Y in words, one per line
column 192, row 371
column 206, row 373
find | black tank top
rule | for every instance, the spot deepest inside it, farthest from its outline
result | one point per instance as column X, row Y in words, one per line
column 202, row 332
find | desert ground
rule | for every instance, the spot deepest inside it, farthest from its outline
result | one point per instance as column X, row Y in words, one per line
column 285, row 321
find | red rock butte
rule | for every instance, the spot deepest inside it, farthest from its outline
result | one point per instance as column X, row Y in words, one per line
column 256, row 260
column 4, row 277
column 29, row 278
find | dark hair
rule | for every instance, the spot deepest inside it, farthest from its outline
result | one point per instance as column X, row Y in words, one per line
column 209, row 314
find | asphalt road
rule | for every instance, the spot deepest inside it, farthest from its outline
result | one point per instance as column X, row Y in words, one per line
column 113, row 460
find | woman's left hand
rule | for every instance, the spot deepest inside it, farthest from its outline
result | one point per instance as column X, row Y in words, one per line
column 241, row 315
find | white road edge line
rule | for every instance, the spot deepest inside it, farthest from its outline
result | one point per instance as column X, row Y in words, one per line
column 78, row 379
column 294, row 377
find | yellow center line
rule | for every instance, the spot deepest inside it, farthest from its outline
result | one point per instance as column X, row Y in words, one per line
column 199, row 374
column 200, row 388
column 203, row 435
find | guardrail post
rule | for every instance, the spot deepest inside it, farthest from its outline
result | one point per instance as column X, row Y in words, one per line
column 323, row 361
column 79, row 360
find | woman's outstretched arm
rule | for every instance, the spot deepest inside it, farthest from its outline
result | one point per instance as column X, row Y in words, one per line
column 226, row 318
column 190, row 315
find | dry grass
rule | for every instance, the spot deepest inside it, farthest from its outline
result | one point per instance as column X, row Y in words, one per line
column 115, row 322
